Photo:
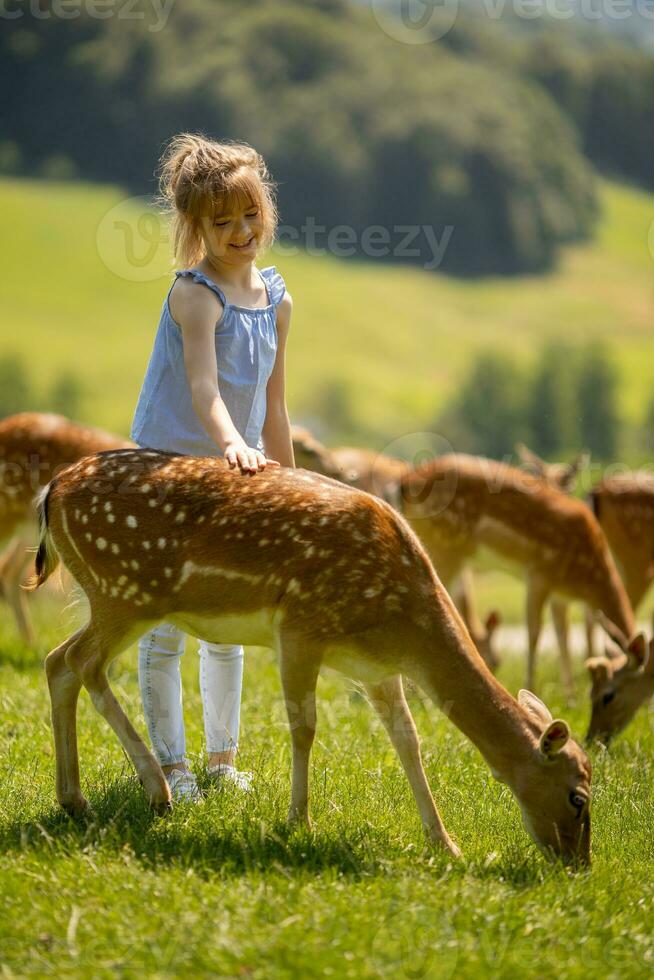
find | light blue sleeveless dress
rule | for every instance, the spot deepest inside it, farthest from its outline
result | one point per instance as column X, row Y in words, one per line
column 246, row 347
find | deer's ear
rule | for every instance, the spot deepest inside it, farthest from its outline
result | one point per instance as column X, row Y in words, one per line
column 534, row 707
column 493, row 620
column 600, row 669
column 637, row 651
column 554, row 738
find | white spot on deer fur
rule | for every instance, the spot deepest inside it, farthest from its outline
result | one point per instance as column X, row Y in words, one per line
column 94, row 500
column 101, row 543
column 405, row 560
column 294, row 587
column 131, row 521
column 371, row 593
column 180, row 517
column 146, row 597
column 146, row 545
column 168, row 572
column 107, row 506
column 152, row 502
column 130, row 591
column 310, row 550
column 85, row 518
column 111, row 518
column 122, row 469
column 223, row 520
column 167, row 508
column 88, row 536
column 134, row 564
column 115, row 550
column 77, row 513
column 161, row 543
column 154, row 583
column 264, row 542
column 146, row 487
column 201, row 519
column 122, row 580
column 113, row 592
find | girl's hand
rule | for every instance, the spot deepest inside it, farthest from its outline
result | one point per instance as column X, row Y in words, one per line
column 249, row 460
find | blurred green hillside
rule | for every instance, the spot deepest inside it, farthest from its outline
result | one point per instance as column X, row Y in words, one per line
column 376, row 349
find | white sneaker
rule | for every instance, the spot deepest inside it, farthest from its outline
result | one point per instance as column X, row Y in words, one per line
column 228, row 776
column 183, row 786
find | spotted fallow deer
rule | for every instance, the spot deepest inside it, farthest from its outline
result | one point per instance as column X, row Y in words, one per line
column 33, row 447
column 624, row 507
column 561, row 476
column 320, row 572
column 379, row 474
column 457, row 503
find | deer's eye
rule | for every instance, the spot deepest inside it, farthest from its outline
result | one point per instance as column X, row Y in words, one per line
column 577, row 800
column 608, row 697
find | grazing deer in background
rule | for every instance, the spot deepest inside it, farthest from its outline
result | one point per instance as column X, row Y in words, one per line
column 380, row 474
column 457, row 503
column 320, row 572
column 563, row 477
column 33, row 448
column 624, row 507
column 621, row 683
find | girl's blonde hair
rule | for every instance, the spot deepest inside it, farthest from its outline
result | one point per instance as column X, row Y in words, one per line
column 200, row 178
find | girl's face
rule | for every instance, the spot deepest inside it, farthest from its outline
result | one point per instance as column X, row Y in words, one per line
column 233, row 237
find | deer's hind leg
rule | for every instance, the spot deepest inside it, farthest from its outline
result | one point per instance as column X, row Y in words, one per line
column 89, row 658
column 64, row 686
column 390, row 704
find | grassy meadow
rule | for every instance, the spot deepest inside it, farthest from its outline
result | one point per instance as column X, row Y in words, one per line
column 222, row 888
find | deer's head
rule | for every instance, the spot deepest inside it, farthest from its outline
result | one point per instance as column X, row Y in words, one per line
column 621, row 682
column 553, row 787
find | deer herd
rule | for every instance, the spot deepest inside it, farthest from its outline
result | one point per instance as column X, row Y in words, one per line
column 355, row 561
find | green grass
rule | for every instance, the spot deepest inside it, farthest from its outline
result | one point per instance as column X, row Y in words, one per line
column 223, row 889
column 398, row 339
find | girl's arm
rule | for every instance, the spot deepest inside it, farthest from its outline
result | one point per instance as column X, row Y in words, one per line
column 197, row 311
column 277, row 427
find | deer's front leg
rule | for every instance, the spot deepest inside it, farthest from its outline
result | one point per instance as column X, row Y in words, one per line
column 390, row 704
column 560, row 619
column 299, row 672
column 537, row 594
column 12, row 565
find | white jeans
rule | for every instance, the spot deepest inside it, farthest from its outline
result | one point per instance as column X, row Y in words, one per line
column 221, row 678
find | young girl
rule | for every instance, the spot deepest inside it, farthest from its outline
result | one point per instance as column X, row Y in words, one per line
column 214, row 386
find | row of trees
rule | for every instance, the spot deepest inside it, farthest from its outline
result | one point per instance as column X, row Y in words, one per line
column 358, row 129
column 566, row 402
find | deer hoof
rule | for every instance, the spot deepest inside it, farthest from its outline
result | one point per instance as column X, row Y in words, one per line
column 75, row 806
